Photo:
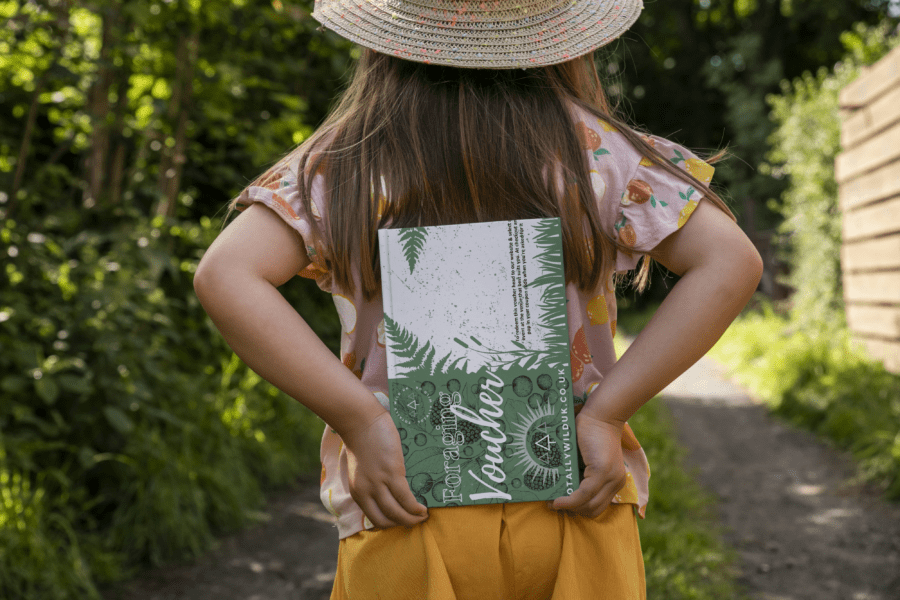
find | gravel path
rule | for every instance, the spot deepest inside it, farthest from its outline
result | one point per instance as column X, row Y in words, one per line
column 804, row 530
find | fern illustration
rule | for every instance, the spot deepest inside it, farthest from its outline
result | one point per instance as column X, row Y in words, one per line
column 413, row 240
column 405, row 345
column 504, row 359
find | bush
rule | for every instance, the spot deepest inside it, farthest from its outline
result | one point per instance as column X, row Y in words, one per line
column 823, row 383
column 803, row 147
column 131, row 434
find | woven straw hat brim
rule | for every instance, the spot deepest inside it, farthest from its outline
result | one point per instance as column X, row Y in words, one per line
column 481, row 35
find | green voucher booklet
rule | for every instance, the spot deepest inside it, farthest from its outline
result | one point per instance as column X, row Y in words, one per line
column 477, row 348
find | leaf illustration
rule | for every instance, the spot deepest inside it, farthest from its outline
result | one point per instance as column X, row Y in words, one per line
column 439, row 368
column 427, row 364
column 413, row 240
column 405, row 345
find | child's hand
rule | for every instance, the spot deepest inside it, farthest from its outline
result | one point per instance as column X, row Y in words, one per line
column 377, row 476
column 600, row 444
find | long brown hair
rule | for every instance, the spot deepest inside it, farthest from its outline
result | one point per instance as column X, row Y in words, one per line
column 458, row 145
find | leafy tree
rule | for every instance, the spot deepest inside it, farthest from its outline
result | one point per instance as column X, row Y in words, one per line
column 805, row 142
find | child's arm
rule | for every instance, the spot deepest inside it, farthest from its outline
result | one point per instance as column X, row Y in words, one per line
column 720, row 269
column 236, row 283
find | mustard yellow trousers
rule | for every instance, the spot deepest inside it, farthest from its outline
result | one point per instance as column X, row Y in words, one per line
column 514, row 551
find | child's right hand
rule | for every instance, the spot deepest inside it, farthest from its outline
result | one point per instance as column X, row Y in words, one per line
column 377, row 476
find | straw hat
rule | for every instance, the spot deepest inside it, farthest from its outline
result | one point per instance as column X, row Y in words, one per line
column 490, row 34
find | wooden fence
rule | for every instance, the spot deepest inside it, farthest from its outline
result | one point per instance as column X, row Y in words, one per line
column 868, row 176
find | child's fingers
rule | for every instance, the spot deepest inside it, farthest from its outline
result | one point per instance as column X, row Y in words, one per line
column 400, row 489
column 392, row 509
column 373, row 512
column 579, row 498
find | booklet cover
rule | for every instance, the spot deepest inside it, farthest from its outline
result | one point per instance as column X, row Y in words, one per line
column 477, row 347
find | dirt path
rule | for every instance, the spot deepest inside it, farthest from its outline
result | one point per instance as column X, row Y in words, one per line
column 802, row 529
column 291, row 556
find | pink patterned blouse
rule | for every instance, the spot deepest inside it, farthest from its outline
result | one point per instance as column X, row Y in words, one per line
column 640, row 204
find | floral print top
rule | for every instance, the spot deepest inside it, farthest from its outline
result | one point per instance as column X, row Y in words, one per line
column 639, row 204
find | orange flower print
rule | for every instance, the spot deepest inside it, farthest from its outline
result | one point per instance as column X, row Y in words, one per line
column 612, row 327
column 579, row 354
column 312, row 271
column 580, row 348
column 577, row 368
column 273, row 182
column 629, row 440
column 646, row 162
column 627, row 236
column 590, row 140
column 349, row 360
column 639, row 192
column 284, row 206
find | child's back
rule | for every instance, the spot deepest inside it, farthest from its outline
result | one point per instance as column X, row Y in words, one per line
column 639, row 190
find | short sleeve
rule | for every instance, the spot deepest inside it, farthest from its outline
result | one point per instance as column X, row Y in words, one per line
column 280, row 192
column 639, row 202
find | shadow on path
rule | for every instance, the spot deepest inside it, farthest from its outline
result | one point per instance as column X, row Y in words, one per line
column 290, row 556
column 805, row 529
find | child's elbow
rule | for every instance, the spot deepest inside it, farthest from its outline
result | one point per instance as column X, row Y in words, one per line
column 204, row 275
column 754, row 267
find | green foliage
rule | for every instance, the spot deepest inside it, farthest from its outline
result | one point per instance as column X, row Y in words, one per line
column 130, row 432
column 685, row 556
column 821, row 382
column 804, row 145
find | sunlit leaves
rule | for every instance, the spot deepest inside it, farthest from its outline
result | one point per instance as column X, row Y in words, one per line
column 744, row 8
column 804, row 145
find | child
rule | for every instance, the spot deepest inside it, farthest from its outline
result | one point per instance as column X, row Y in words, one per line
column 455, row 114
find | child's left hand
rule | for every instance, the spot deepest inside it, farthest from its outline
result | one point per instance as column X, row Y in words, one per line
column 600, row 444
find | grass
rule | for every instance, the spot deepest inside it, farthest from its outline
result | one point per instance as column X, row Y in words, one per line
column 681, row 539
column 824, row 383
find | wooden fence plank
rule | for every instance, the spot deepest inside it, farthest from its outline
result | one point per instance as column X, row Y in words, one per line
column 878, row 253
column 873, row 81
column 878, row 321
column 883, row 183
column 867, row 121
column 877, row 150
column 888, row 353
column 882, row 286
column 871, row 220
